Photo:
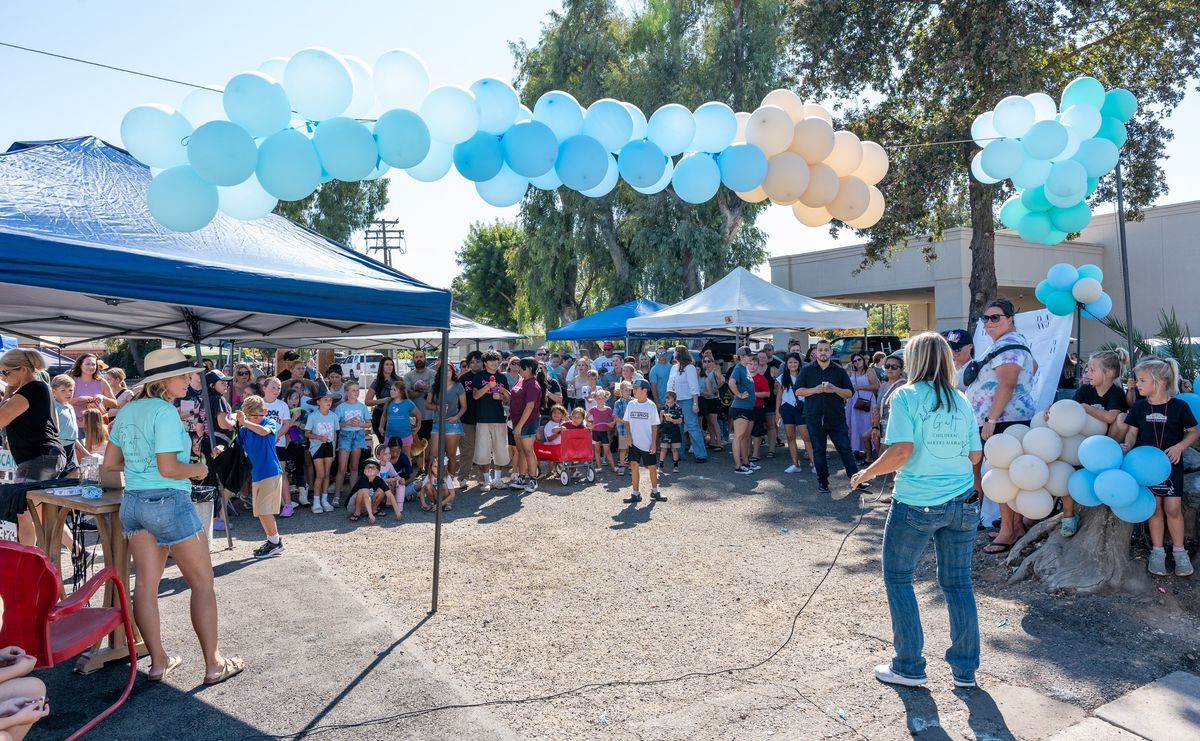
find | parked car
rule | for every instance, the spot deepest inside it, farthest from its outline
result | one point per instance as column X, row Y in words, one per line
column 364, row 366
column 844, row 347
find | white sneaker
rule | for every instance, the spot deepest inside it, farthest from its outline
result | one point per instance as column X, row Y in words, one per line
column 487, row 484
column 316, row 506
column 884, row 673
column 792, row 469
column 325, row 503
column 303, row 495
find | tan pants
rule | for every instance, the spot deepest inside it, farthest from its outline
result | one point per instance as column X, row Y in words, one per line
column 491, row 444
column 268, row 494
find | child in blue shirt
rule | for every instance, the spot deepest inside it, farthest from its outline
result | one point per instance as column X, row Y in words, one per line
column 256, row 435
column 396, row 426
column 354, row 419
column 321, row 428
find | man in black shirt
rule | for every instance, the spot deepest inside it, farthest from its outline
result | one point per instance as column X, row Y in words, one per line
column 466, row 449
column 490, row 391
column 825, row 387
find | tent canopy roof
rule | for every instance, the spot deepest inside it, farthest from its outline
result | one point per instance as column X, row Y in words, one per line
column 82, row 256
column 741, row 302
column 462, row 330
column 605, row 325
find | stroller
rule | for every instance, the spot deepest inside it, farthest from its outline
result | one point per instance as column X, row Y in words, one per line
column 571, row 456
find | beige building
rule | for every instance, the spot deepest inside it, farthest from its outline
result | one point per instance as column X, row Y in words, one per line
column 1164, row 257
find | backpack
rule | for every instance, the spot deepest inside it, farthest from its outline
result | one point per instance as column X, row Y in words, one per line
column 971, row 370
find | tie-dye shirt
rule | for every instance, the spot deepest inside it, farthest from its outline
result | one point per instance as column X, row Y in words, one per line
column 1021, row 406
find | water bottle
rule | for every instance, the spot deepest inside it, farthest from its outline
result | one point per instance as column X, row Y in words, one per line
column 89, row 477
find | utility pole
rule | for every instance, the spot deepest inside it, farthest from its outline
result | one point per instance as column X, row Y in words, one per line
column 384, row 235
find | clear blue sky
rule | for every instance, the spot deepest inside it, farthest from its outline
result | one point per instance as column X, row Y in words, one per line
column 210, row 42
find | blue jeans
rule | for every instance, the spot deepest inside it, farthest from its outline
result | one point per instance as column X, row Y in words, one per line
column 832, row 429
column 691, row 422
column 951, row 525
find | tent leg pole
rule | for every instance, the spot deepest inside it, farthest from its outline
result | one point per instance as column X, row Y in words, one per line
column 210, row 430
column 442, row 472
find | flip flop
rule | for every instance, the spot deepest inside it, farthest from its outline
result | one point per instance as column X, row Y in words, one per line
column 355, row 518
column 996, row 549
column 233, row 667
column 172, row 662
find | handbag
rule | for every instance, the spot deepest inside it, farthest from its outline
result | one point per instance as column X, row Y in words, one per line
column 862, row 404
column 971, row 370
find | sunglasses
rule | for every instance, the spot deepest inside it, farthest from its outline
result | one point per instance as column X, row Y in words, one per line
column 891, row 367
column 992, row 318
column 243, row 373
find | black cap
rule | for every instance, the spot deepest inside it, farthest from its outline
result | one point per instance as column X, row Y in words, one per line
column 958, row 338
column 641, row 383
column 744, row 351
column 212, row 376
column 371, row 462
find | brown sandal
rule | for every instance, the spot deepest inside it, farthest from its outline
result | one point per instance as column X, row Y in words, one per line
column 172, row 662
column 233, row 667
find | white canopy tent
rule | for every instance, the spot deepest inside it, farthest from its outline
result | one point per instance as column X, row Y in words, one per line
column 463, row 330
column 741, row 303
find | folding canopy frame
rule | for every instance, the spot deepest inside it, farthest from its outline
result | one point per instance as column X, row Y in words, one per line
column 463, row 330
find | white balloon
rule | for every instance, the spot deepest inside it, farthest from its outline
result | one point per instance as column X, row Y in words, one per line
column 202, row 106
column 451, row 113
column 742, row 117
column 847, row 153
column 1060, row 474
column 1067, row 417
column 788, row 101
column 1044, row 443
column 809, row 216
column 770, row 129
column 1036, row 504
column 246, row 200
column 822, row 185
column 874, row 163
column 998, row 487
column 362, row 105
column 982, row 130
column 812, row 139
column 1029, row 472
column 1093, row 426
column 852, row 199
column 401, row 79
column 1039, row 419
column 812, row 110
column 274, row 68
column 873, row 213
column 1044, row 107
column 1018, row 431
column 787, row 178
column 1087, row 290
column 757, row 195
column 1002, row 449
column 1070, row 451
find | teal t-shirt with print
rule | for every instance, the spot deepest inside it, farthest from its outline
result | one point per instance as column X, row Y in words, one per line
column 143, row 429
column 939, row 468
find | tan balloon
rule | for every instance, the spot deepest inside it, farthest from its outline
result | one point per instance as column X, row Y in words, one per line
column 754, row 196
column 874, row 163
column 788, row 101
column 770, row 129
column 822, row 186
column 810, row 216
column 872, row 215
column 851, row 201
column 742, row 117
column 787, row 178
column 846, row 155
column 812, row 139
column 812, row 110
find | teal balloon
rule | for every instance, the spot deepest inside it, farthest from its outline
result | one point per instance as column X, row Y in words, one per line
column 1034, row 226
column 696, row 178
column 549, row 181
column 1081, row 487
column 642, row 163
column 1043, row 291
column 1099, row 454
column 479, row 158
column 530, row 148
column 1060, row 303
column 662, row 183
column 402, row 138
column 1054, row 237
column 1011, row 212
column 1099, row 308
column 1098, row 156
column 1032, row 173
column 288, row 166
column 1115, row 487
column 1071, row 219
column 743, row 167
column 561, row 112
column 1148, row 465
column 1062, row 276
column 506, row 188
column 222, row 153
column 319, row 83
column 609, row 182
column 155, row 135
column 1142, row 508
column 1193, row 401
column 436, row 164
column 1092, row 185
column 180, row 200
column 608, row 122
column 257, row 103
column 346, row 149
column 1003, row 157
column 498, row 104
column 246, row 200
column 1045, row 139
column 978, row 172
column 582, row 162
column 1082, row 91
column 1113, row 130
column 1091, row 271
column 1065, row 178
column 1120, row 104
column 1066, row 201
column 1034, row 199
column 672, row 128
column 716, row 126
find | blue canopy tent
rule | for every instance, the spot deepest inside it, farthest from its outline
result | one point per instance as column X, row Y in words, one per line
column 605, row 325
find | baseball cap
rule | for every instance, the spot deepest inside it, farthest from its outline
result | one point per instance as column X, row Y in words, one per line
column 213, row 376
column 958, row 338
column 371, row 462
column 744, row 351
column 641, row 383
column 608, row 345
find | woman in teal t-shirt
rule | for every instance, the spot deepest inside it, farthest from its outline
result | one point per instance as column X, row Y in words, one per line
column 933, row 445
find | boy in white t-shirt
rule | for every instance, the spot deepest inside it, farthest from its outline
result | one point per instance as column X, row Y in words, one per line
column 642, row 420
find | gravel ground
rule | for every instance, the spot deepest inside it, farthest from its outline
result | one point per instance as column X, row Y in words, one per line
column 545, row 592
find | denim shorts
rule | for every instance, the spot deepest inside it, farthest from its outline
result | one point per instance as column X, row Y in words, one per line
column 167, row 514
column 792, row 415
column 529, row 430
column 352, row 438
column 452, row 428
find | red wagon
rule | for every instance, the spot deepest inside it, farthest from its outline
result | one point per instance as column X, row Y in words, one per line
column 571, row 456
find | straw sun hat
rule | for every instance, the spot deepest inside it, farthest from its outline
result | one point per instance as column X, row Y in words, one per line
column 167, row 363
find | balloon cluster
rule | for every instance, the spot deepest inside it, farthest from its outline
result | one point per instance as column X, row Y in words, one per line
column 1027, row 466
column 1054, row 155
column 1066, row 286
column 278, row 132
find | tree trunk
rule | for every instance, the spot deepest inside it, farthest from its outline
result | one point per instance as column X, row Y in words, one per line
column 623, row 285
column 983, row 250
column 1096, row 559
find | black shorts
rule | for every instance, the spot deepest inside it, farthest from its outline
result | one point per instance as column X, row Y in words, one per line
column 670, row 435
column 600, row 436
column 760, row 422
column 426, row 429
column 281, row 452
column 324, row 450
column 512, row 441
column 642, row 457
column 741, row 413
column 1002, row 426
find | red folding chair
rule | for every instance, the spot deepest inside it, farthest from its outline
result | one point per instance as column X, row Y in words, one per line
column 54, row 631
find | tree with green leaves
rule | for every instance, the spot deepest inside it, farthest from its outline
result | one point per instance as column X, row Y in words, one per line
column 336, row 209
column 919, row 73
column 485, row 289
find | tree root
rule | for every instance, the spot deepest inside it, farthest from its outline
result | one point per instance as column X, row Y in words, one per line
column 1034, row 534
column 1096, row 559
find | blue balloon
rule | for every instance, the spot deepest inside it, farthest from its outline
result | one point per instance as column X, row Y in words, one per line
column 582, row 163
column 156, row 135
column 743, row 167
column 498, row 104
column 1012, row 212
column 1140, row 509
column 662, row 183
column 1066, row 178
column 436, row 163
column 1083, row 91
column 247, row 200
column 180, row 200
column 1054, row 237
column 1060, row 303
column 696, row 178
column 978, row 172
column 346, row 149
column 1032, row 173
column 319, row 83
column 1193, row 401
column 561, row 112
column 1091, row 271
column 222, row 153
column 609, row 122
column 549, row 181
column 716, row 126
column 288, row 166
column 402, row 138
column 451, row 113
column 257, row 103
column 642, row 163
column 1045, row 139
column 1099, row 453
column 530, row 148
column 1034, row 226
column 1034, row 199
column 507, row 188
column 639, row 122
column 1098, row 156
column 1120, row 104
column 1072, row 219
column 1062, row 276
column 1081, row 487
column 1043, row 291
column 608, row 183
column 1099, row 308
column 480, row 157
column 1113, row 130
column 672, row 128
column 1115, row 487
column 1002, row 158
column 1148, row 465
